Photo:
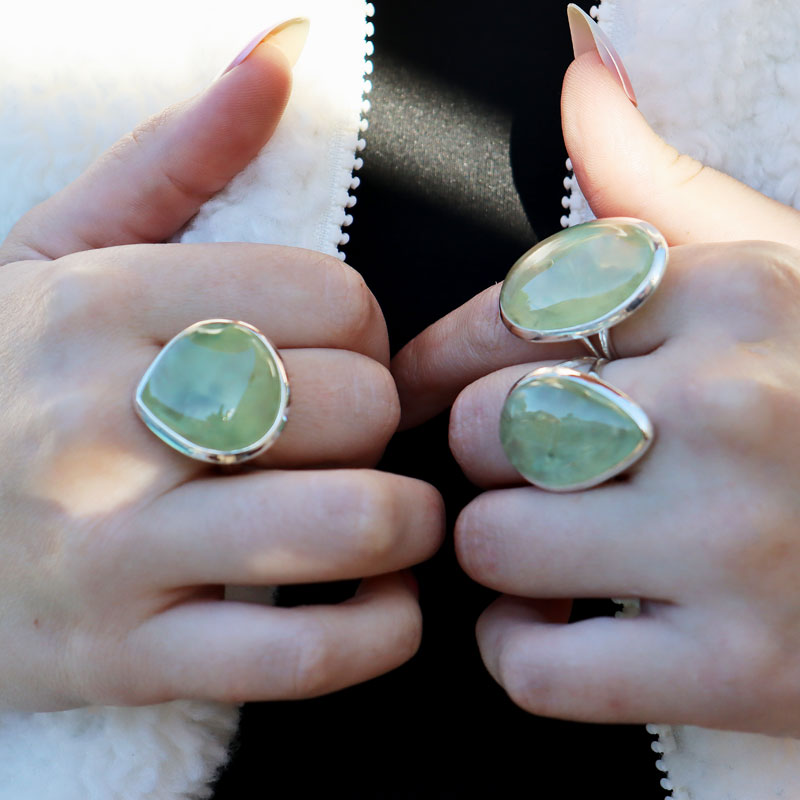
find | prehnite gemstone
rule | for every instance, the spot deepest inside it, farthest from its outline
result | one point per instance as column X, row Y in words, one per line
column 577, row 276
column 559, row 432
column 216, row 385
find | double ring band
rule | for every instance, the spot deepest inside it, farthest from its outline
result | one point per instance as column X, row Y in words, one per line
column 564, row 428
column 584, row 280
column 216, row 392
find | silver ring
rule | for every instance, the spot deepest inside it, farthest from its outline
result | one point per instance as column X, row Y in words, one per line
column 582, row 281
column 564, row 428
column 217, row 392
column 600, row 345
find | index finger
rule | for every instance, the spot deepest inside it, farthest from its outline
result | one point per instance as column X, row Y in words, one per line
column 458, row 349
column 472, row 341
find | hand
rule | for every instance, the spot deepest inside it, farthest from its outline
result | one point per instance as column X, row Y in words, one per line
column 114, row 548
column 704, row 529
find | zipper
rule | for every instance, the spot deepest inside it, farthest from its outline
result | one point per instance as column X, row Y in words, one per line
column 358, row 162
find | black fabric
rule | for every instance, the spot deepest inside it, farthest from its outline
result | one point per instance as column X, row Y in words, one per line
column 463, row 171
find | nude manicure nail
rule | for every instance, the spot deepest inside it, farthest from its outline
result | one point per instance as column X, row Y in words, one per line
column 588, row 36
column 290, row 36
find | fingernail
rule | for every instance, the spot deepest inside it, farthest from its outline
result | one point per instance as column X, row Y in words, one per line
column 290, row 36
column 588, row 36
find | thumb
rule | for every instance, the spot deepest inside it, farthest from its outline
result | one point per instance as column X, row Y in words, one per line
column 625, row 169
column 155, row 179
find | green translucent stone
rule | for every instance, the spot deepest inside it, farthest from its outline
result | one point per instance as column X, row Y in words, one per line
column 577, row 276
column 217, row 386
column 559, row 432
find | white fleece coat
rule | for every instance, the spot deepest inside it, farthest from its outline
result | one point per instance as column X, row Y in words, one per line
column 719, row 80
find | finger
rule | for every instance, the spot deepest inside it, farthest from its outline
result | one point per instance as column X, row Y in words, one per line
column 344, row 409
column 343, row 412
column 282, row 527
column 528, row 542
column 474, row 432
column 458, row 349
column 625, row 169
column 472, row 340
column 606, row 670
column 699, row 326
column 154, row 179
column 233, row 652
column 297, row 298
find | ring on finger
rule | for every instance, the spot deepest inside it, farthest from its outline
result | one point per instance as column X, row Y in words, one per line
column 217, row 392
column 582, row 281
column 564, row 428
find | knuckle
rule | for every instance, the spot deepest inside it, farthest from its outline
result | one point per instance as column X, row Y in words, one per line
column 368, row 516
column 685, row 169
column 311, row 663
column 744, row 656
column 458, row 431
column 474, row 541
column 355, row 306
column 81, row 292
column 527, row 687
column 753, row 541
column 376, row 404
column 719, row 399
column 409, row 633
column 125, row 147
column 468, row 419
column 759, row 281
column 488, row 343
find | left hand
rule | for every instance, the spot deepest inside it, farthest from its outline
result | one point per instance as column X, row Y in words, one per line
column 705, row 528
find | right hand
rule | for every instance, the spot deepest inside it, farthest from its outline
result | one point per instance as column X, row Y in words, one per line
column 114, row 549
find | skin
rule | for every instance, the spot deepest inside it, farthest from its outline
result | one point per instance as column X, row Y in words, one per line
column 704, row 529
column 114, row 549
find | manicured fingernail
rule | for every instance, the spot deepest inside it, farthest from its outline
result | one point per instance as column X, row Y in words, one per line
column 588, row 36
column 290, row 36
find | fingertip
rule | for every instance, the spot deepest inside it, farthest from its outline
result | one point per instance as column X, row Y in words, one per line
column 507, row 621
column 398, row 591
column 259, row 88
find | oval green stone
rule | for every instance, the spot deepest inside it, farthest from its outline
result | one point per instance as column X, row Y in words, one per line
column 577, row 276
column 559, row 432
column 217, row 386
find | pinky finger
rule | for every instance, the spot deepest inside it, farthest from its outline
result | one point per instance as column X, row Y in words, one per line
column 233, row 652
column 598, row 670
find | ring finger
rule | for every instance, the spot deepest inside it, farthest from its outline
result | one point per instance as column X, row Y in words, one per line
column 343, row 411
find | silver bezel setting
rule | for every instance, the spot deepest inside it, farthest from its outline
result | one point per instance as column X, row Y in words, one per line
column 189, row 448
column 584, row 371
column 642, row 293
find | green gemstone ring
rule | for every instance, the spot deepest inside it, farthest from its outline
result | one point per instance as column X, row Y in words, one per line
column 563, row 428
column 216, row 392
column 582, row 281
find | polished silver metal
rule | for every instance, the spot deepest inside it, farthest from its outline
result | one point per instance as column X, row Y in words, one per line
column 588, row 365
column 190, row 449
column 641, row 294
column 600, row 345
column 587, row 371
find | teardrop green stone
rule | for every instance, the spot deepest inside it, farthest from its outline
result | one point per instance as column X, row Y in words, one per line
column 217, row 386
column 559, row 432
column 577, row 276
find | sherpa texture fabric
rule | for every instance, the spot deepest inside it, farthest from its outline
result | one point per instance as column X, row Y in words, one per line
column 70, row 89
column 721, row 82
